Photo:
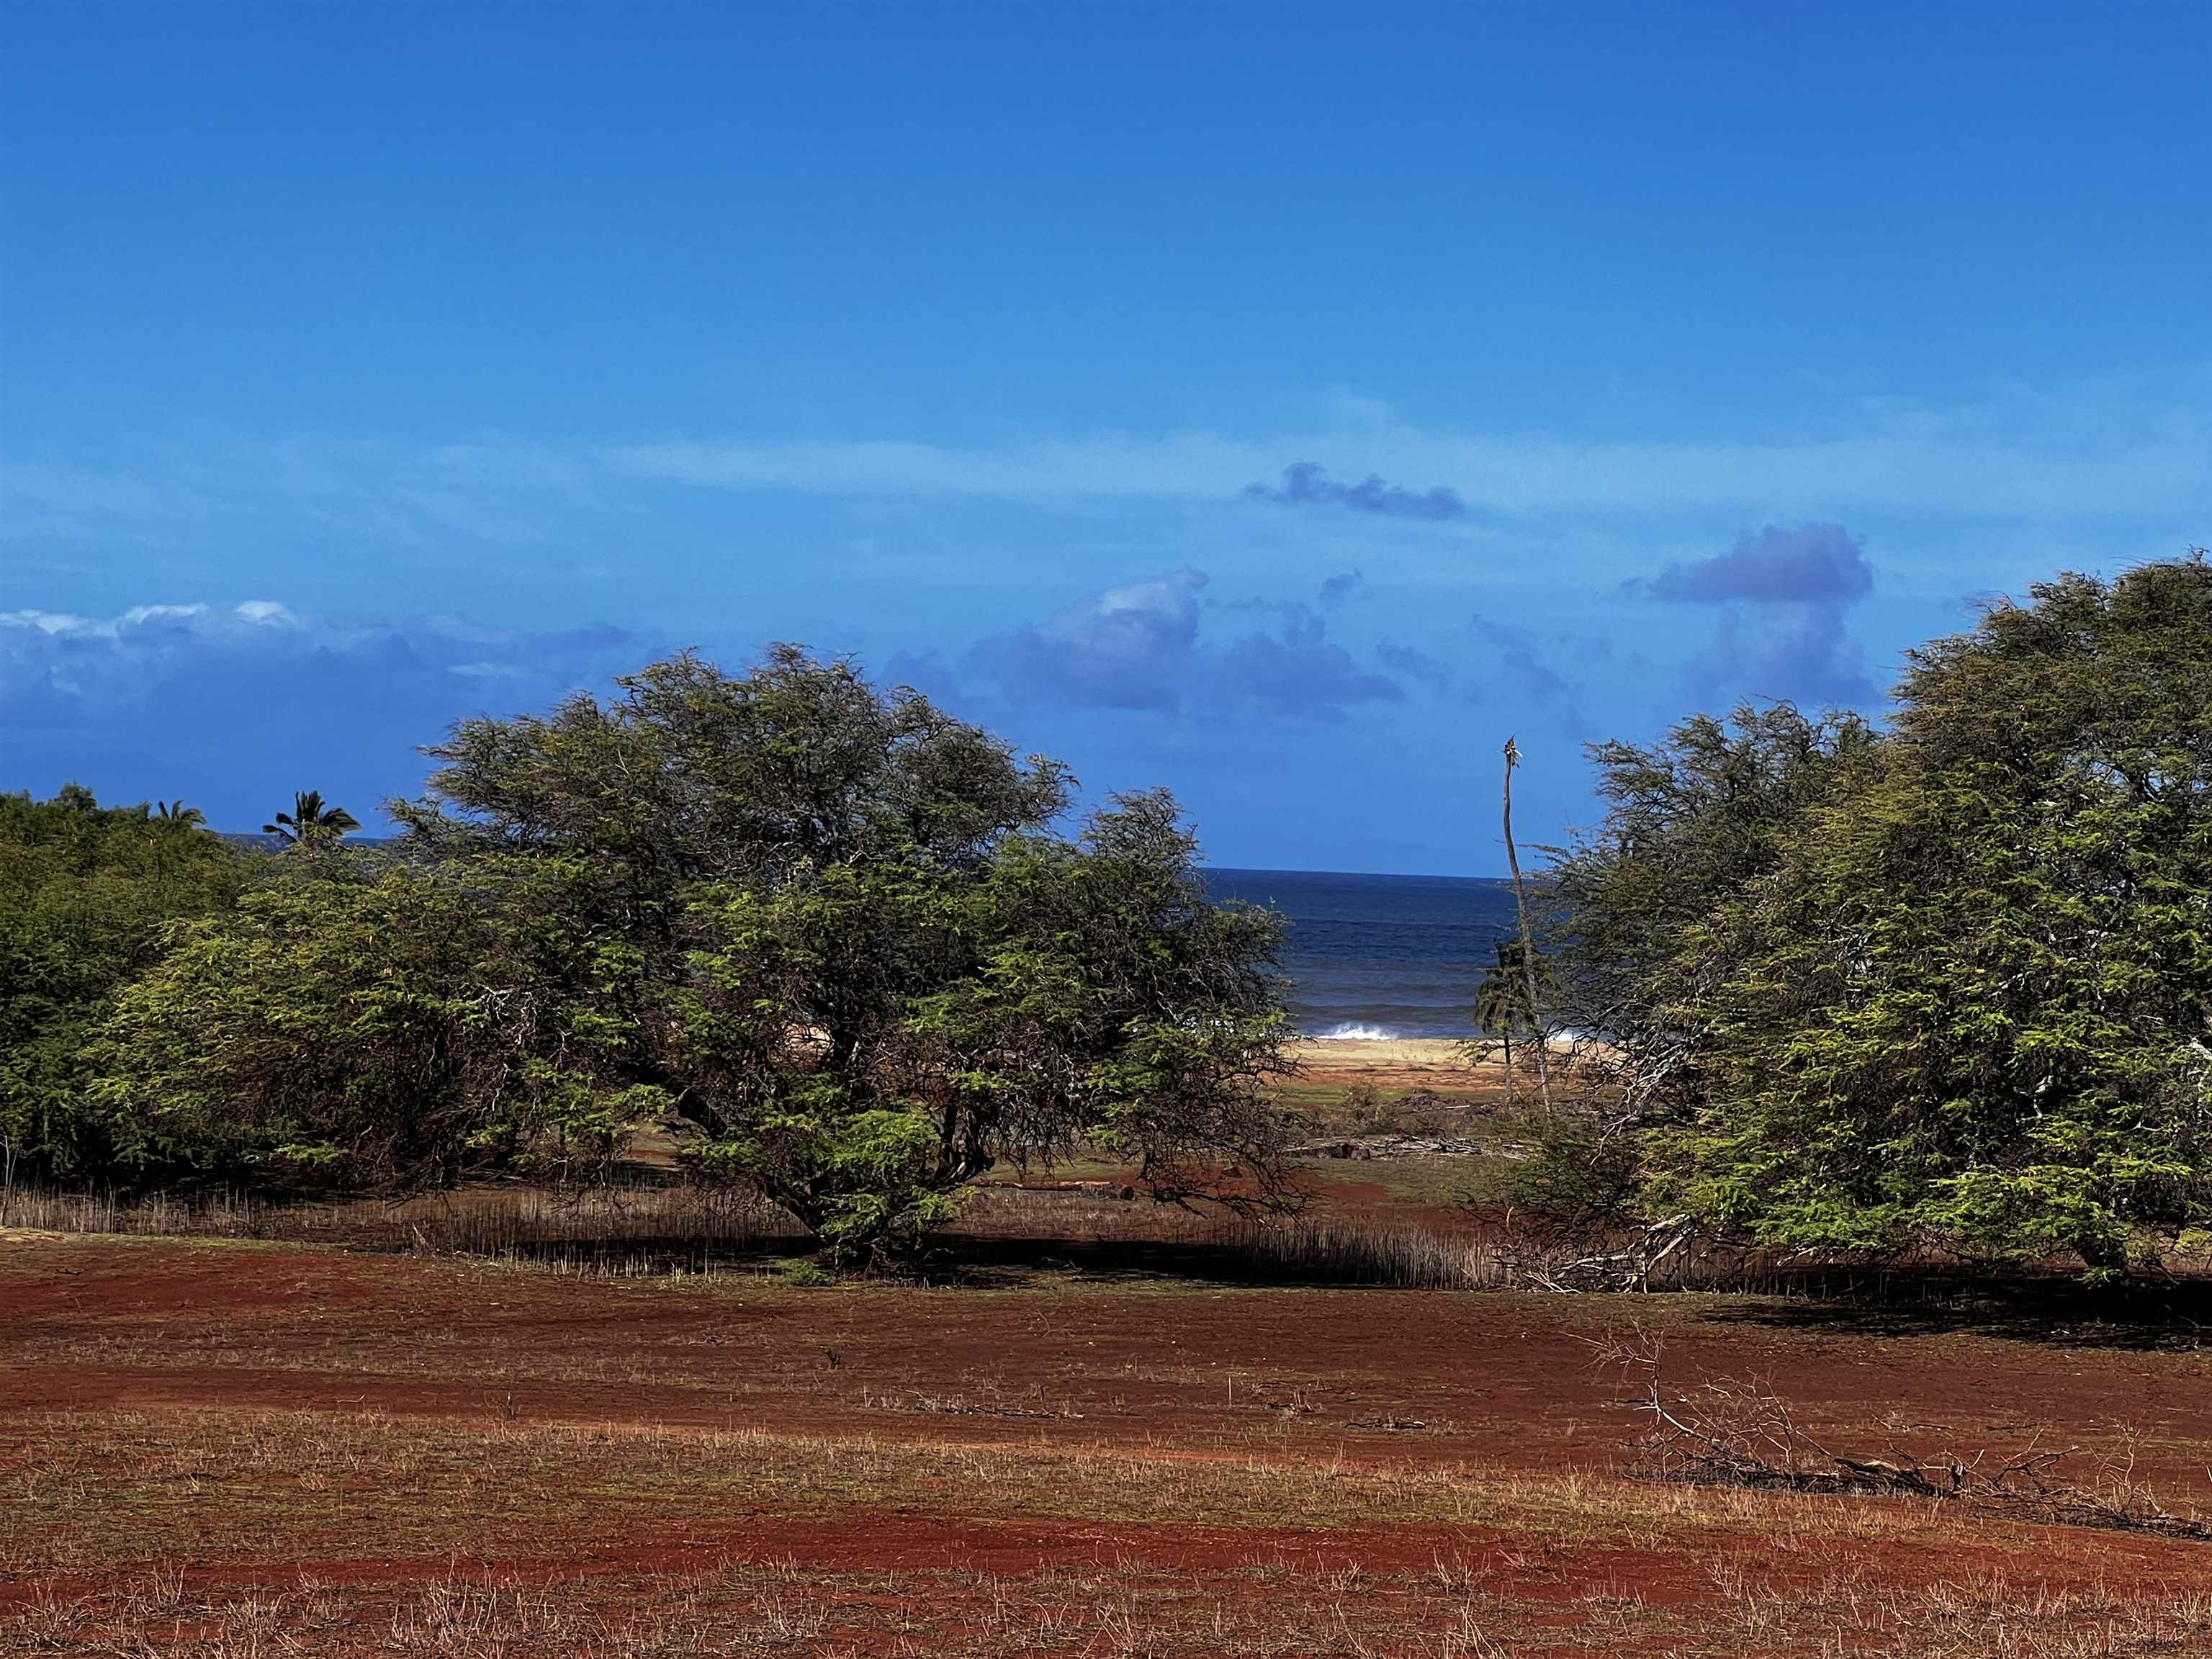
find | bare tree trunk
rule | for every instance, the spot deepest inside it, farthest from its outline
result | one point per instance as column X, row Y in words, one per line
column 1528, row 943
column 1509, row 1064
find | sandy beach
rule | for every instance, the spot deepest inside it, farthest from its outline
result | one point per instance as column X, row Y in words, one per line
column 1437, row 1063
column 1368, row 1053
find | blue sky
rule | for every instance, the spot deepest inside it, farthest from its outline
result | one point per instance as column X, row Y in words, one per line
column 1283, row 403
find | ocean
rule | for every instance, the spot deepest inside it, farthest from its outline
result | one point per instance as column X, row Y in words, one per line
column 1379, row 956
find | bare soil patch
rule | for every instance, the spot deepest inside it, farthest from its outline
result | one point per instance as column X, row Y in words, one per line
column 1055, row 1466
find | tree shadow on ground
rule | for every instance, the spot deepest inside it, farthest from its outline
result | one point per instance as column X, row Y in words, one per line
column 2165, row 1317
column 1002, row 1260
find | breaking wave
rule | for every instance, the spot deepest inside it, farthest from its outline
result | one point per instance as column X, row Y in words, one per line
column 1380, row 956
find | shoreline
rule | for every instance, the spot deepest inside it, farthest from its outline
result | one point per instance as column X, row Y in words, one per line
column 1389, row 1063
column 1359, row 1053
column 1439, row 1063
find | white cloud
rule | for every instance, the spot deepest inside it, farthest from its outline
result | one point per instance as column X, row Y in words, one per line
column 2092, row 453
column 2019, row 457
column 1138, row 647
column 63, row 669
column 233, row 705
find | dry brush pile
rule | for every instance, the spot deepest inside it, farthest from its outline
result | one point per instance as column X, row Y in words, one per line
column 1739, row 1432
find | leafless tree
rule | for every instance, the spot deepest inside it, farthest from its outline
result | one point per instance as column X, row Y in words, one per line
column 1528, row 943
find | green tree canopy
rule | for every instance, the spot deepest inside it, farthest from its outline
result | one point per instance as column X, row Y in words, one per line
column 367, row 1021
column 830, row 935
column 1692, row 824
column 1952, row 986
column 311, row 823
column 88, row 896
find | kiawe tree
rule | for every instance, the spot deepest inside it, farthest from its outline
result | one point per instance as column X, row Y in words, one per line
column 368, row 1022
column 841, row 937
column 1973, row 1004
column 1949, row 986
column 1693, row 822
column 89, row 898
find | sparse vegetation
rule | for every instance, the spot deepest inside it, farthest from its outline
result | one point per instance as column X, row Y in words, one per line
column 1508, row 1003
column 656, row 995
column 1739, row 1432
column 1126, row 1610
column 373, row 1455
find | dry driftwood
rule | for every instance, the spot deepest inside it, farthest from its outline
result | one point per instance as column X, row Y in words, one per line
column 1539, row 1265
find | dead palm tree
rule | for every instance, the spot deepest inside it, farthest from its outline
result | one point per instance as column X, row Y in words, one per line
column 1528, row 943
column 311, row 823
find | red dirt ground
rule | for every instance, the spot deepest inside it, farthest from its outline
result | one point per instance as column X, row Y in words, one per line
column 284, row 1327
column 1490, row 1388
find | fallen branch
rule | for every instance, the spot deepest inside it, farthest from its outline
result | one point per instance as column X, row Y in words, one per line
column 1738, row 1431
column 1628, row 1268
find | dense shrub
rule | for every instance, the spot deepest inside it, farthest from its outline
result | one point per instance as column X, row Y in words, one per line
column 835, row 931
column 1952, row 985
column 87, row 897
column 360, row 1021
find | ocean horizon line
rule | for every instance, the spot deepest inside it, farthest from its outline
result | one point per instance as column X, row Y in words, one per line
column 1211, row 868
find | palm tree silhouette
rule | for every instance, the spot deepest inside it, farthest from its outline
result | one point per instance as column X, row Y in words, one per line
column 1501, row 1001
column 311, row 823
column 176, row 822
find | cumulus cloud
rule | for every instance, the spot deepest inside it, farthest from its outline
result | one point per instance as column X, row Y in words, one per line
column 232, row 705
column 1409, row 663
column 1813, row 564
column 1515, row 664
column 1124, row 647
column 1335, row 590
column 1803, row 651
column 1140, row 647
column 1782, row 595
column 1307, row 483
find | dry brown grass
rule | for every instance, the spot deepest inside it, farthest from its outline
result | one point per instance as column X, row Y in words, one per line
column 614, row 1466
column 1114, row 1609
column 84, row 1490
column 490, row 1221
column 1738, row 1431
column 88, row 1494
column 679, row 1230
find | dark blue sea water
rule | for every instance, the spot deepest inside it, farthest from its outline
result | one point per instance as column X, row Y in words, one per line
column 1379, row 956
